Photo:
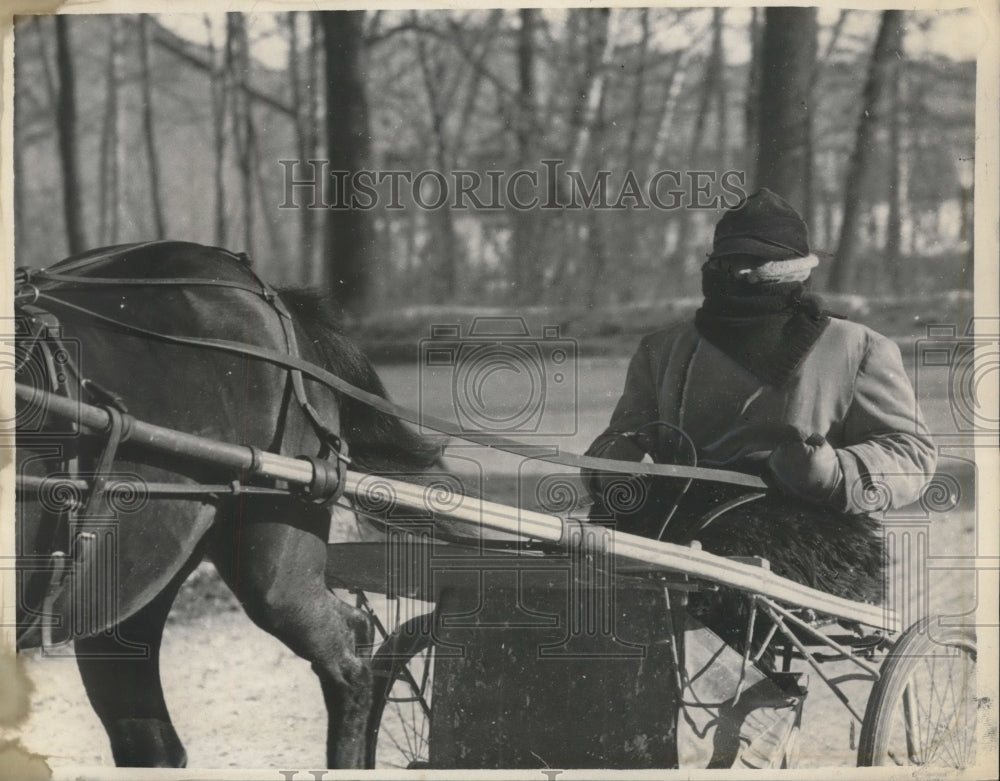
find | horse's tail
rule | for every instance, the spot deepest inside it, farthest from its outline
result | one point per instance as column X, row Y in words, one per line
column 378, row 442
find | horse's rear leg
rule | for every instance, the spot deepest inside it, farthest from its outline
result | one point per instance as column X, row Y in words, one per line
column 125, row 689
column 275, row 565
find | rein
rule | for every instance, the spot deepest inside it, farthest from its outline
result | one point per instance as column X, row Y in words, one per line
column 300, row 368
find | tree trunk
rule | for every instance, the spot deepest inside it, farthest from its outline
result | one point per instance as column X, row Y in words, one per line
column 584, row 113
column 590, row 92
column 629, row 228
column 752, row 105
column 218, row 77
column 880, row 71
column 485, row 42
column 595, row 227
column 305, row 145
column 109, row 196
column 41, row 37
column 682, row 281
column 348, row 231
column 444, row 271
column 671, row 93
column 238, row 60
column 66, row 129
column 638, row 89
column 788, row 57
column 148, row 130
column 600, row 46
column 722, row 102
column 523, row 223
column 313, row 65
column 896, row 186
column 812, row 207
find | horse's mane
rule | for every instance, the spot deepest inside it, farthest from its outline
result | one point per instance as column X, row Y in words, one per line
column 378, row 442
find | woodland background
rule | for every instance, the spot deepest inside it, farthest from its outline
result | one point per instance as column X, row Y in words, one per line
column 130, row 128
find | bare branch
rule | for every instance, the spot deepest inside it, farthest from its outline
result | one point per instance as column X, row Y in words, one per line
column 170, row 43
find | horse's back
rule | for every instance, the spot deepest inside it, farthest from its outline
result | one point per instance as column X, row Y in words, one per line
column 159, row 260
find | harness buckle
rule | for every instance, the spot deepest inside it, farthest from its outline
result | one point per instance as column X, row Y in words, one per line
column 329, row 479
column 56, row 580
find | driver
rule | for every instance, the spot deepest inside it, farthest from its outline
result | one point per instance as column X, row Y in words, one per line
column 764, row 381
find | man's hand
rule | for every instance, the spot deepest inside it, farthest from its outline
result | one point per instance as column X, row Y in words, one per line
column 807, row 470
column 616, row 488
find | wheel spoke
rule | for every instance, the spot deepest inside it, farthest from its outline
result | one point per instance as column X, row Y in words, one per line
column 921, row 711
column 402, row 740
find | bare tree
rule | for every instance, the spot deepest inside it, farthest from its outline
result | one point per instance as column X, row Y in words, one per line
column 638, row 89
column 149, row 130
column 585, row 121
column 305, row 136
column 682, row 259
column 445, row 269
column 788, row 58
column 238, row 64
column 721, row 93
column 672, row 88
column 523, row 222
column 751, row 106
column 66, row 129
column 629, row 241
column 473, row 90
column 896, row 193
column 880, row 72
column 313, row 120
column 590, row 84
column 813, row 198
column 183, row 52
column 218, row 78
column 348, row 231
column 109, row 194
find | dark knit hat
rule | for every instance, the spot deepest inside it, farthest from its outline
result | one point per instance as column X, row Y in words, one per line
column 765, row 226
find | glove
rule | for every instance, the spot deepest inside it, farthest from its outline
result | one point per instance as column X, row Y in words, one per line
column 807, row 470
column 623, row 448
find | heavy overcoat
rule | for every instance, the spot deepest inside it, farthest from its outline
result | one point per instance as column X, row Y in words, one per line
column 851, row 388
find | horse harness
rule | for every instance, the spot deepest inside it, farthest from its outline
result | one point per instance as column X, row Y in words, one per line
column 41, row 346
column 46, row 330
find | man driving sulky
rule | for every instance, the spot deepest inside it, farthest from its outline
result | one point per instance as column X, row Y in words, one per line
column 764, row 381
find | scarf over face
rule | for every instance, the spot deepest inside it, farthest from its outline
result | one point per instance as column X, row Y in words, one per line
column 767, row 327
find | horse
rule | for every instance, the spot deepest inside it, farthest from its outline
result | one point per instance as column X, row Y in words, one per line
column 269, row 548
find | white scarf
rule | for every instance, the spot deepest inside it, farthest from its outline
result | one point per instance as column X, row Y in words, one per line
column 792, row 270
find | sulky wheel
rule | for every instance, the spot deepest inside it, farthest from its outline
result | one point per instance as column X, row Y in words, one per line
column 922, row 711
column 399, row 724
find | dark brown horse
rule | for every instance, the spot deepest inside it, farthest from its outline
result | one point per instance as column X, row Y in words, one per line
column 270, row 549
